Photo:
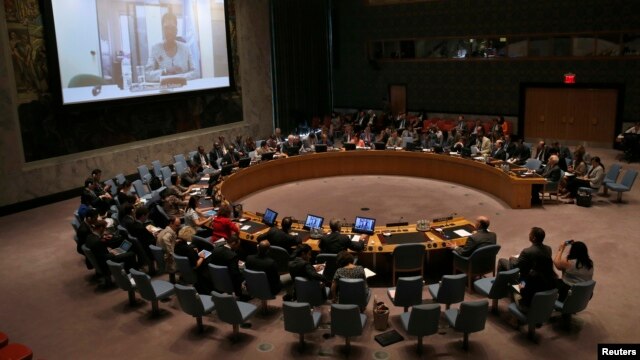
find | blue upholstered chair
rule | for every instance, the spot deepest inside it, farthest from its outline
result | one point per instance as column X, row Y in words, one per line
column 469, row 318
column 158, row 256
column 422, row 321
column 577, row 299
column 299, row 319
column 221, row 278
column 258, row 287
column 310, row 291
column 347, row 321
column 123, row 280
column 498, row 287
column 450, row 290
column 625, row 184
column 152, row 291
column 194, row 304
column 539, row 312
column 231, row 311
column 353, row 291
column 408, row 258
column 408, row 292
column 184, row 268
column 480, row 262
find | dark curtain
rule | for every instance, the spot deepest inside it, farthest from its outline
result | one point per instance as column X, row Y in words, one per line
column 301, row 61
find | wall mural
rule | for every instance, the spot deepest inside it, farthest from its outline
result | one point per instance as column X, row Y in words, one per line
column 49, row 130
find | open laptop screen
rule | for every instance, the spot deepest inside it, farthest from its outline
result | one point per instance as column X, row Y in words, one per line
column 364, row 225
column 269, row 217
column 313, row 222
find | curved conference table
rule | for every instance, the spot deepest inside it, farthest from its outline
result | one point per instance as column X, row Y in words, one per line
column 512, row 188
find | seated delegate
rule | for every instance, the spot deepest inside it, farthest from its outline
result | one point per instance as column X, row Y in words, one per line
column 576, row 267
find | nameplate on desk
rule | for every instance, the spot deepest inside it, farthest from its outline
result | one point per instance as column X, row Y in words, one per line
column 446, row 218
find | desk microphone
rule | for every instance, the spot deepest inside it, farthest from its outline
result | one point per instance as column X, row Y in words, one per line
column 400, row 223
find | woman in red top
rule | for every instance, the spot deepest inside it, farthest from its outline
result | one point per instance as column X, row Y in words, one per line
column 222, row 225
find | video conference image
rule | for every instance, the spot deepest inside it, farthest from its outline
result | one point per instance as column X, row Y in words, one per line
column 119, row 49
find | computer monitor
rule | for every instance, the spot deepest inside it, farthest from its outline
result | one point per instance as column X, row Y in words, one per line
column 379, row 145
column 267, row 156
column 363, row 225
column 349, row 146
column 313, row 222
column 321, row 148
column 269, row 217
column 410, row 146
column 244, row 162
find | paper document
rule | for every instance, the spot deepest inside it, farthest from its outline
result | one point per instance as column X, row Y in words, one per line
column 368, row 273
column 462, row 233
column 392, row 293
column 355, row 238
column 245, row 228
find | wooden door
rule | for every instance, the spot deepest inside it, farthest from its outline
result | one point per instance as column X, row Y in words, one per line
column 398, row 99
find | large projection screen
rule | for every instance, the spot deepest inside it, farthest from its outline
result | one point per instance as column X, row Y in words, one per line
column 119, row 49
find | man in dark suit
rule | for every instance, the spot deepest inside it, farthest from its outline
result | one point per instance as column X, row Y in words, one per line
column 216, row 153
column 551, row 172
column 335, row 242
column 263, row 262
column 226, row 255
column 542, row 152
column 201, row 160
column 499, row 153
column 529, row 256
column 281, row 238
column 231, row 157
column 482, row 237
column 291, row 147
column 138, row 230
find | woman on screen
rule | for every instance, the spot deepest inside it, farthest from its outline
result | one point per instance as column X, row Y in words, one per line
column 170, row 57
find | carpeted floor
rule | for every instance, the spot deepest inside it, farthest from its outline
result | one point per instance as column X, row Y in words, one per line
column 50, row 304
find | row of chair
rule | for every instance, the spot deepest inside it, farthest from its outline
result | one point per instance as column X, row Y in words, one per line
column 13, row 351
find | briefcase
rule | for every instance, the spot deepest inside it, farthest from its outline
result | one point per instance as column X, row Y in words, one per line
column 583, row 199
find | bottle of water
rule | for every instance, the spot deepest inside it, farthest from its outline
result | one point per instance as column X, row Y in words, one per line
column 127, row 78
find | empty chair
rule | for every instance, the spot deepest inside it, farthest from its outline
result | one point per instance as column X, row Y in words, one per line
column 281, row 256
column 166, row 176
column 192, row 154
column 221, row 278
column 152, row 290
column 408, row 292
column 611, row 176
column 422, row 321
column 470, row 318
column 120, row 178
column 353, row 291
column 450, row 290
column 539, row 312
column 194, row 304
column 299, row 319
column 179, row 158
column 625, row 184
column 184, row 268
column 123, row 280
column 231, row 311
column 498, row 287
column 158, row 256
column 144, row 173
column 141, row 190
column 577, row 299
column 157, row 168
column 532, row 164
column 480, row 262
column 113, row 188
column 330, row 266
column 180, row 168
column 310, row 291
column 258, row 287
column 347, row 321
column 408, row 258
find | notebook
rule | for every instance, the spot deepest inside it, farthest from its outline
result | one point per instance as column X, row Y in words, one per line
column 388, row 338
column 123, row 248
column 204, row 253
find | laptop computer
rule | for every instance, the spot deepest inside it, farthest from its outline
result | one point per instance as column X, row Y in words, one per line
column 269, row 217
column 123, row 248
column 267, row 156
column 321, row 148
column 379, row 145
column 410, row 146
column 349, row 146
column 364, row 225
column 244, row 162
column 226, row 169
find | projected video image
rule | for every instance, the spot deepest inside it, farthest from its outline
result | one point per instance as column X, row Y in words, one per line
column 115, row 49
